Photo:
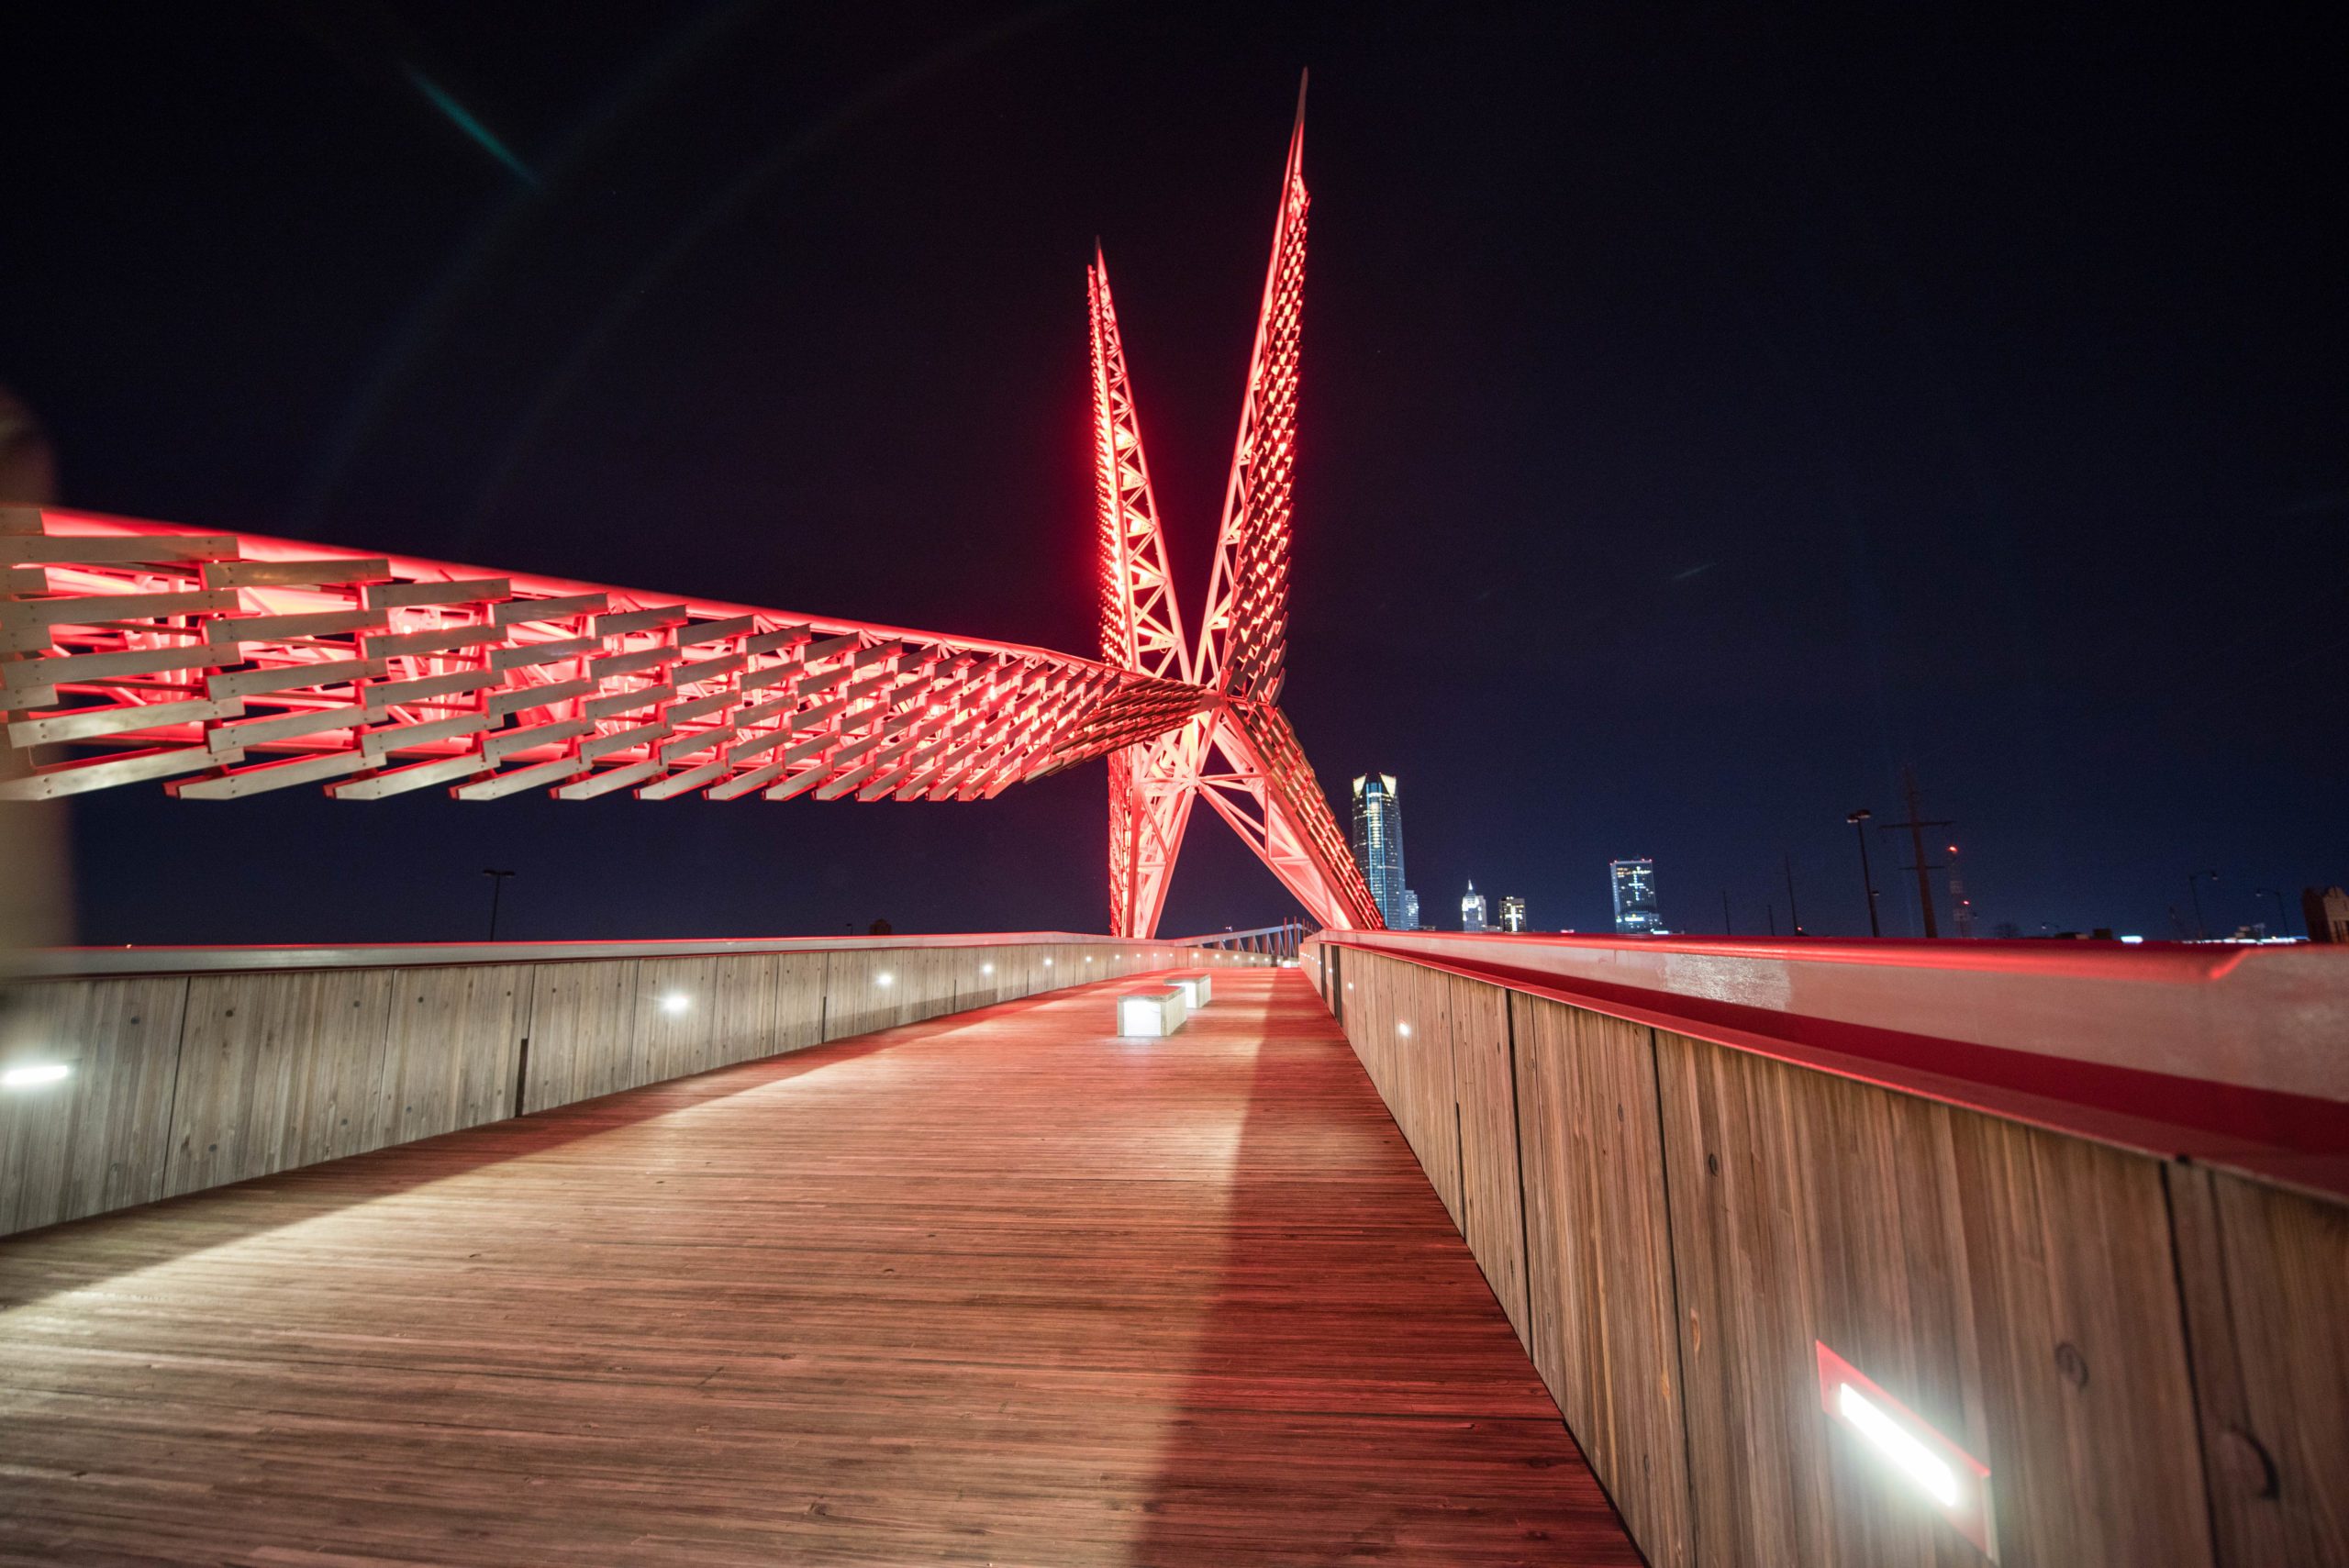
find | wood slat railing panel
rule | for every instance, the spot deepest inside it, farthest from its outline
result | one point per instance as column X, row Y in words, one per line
column 453, row 1051
column 108, row 1148
column 2264, row 1274
column 1599, row 1247
column 277, row 1072
column 1492, row 1217
column 2148, row 1354
column 582, row 1032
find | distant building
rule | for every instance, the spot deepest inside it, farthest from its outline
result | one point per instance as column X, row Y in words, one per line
column 1512, row 913
column 1635, row 906
column 1411, row 920
column 2327, row 912
column 1378, row 845
column 1472, row 911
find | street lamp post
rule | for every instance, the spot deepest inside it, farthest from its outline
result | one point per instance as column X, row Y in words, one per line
column 2193, row 892
column 1859, row 821
column 496, row 890
column 2282, row 920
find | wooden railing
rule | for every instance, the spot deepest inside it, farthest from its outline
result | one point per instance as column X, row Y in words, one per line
column 188, row 1068
column 2072, row 1212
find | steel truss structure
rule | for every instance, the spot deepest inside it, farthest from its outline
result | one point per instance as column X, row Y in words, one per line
column 225, row 666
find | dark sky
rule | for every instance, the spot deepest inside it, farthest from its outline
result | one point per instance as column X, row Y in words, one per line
column 1705, row 411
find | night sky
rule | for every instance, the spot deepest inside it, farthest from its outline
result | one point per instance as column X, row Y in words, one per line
column 1704, row 412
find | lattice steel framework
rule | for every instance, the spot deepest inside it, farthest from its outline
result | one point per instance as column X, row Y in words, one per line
column 229, row 664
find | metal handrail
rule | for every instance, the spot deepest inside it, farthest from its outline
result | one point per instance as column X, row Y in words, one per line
column 57, row 963
column 1284, row 939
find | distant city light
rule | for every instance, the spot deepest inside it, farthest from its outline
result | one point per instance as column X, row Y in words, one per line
column 34, row 1073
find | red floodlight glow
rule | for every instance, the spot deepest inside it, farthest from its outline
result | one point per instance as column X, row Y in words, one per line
column 224, row 665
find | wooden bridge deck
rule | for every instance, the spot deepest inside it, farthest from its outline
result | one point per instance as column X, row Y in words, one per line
column 995, row 1288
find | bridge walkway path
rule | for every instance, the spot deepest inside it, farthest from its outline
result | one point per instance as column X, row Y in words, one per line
column 992, row 1288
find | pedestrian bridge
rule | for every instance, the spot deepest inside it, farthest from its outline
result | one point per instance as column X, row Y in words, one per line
column 890, row 1251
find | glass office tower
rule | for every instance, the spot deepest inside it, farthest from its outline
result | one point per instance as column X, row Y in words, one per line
column 1472, row 911
column 1378, row 845
column 1635, row 909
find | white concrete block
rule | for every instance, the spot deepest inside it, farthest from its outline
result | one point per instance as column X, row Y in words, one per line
column 1144, row 1015
column 1197, row 989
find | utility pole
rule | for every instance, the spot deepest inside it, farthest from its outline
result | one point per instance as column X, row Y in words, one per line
column 1794, row 916
column 1859, row 821
column 1915, row 827
column 1727, row 929
column 2194, row 891
column 496, row 888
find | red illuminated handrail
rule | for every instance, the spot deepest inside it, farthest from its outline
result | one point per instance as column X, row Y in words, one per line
column 2228, row 1053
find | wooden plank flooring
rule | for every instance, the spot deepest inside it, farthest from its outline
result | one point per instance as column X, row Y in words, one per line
column 992, row 1288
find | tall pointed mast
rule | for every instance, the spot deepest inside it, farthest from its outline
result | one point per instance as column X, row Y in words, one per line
column 1243, row 635
column 1142, row 623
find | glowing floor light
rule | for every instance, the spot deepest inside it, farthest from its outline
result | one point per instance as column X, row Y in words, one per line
column 1894, row 1442
column 1908, row 1446
column 34, row 1073
column 675, row 1002
column 885, row 978
column 987, row 969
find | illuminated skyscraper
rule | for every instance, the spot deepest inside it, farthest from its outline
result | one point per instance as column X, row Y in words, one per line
column 1512, row 913
column 1635, row 907
column 1472, row 911
column 1411, row 920
column 1378, row 845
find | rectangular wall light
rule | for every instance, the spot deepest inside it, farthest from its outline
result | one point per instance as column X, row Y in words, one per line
column 1908, row 1451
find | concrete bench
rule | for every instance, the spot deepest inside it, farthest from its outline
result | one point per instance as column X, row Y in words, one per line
column 1197, row 989
column 1144, row 1015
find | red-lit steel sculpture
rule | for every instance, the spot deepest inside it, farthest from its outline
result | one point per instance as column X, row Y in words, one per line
column 229, row 664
